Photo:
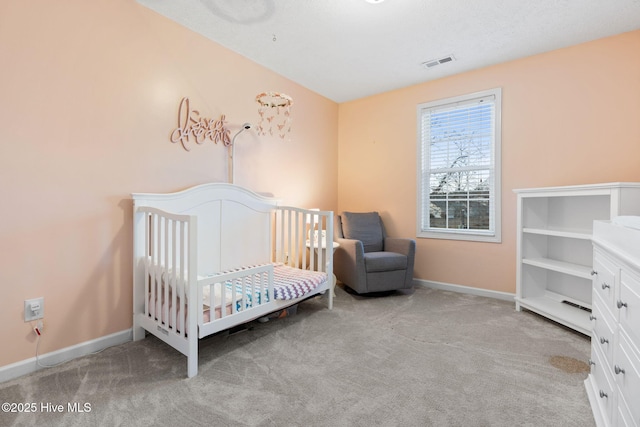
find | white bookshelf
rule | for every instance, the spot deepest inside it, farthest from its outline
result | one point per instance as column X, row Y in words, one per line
column 554, row 248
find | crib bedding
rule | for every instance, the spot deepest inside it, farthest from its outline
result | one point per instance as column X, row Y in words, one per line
column 289, row 283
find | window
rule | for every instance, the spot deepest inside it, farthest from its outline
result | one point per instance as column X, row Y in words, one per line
column 459, row 167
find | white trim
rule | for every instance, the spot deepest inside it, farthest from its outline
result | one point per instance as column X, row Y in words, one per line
column 505, row 296
column 28, row 366
column 472, row 235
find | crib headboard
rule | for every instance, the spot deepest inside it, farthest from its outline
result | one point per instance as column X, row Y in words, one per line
column 233, row 225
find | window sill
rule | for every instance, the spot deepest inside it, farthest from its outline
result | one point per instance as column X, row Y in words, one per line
column 460, row 235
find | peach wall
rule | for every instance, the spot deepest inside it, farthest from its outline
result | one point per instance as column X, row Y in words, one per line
column 89, row 96
column 571, row 116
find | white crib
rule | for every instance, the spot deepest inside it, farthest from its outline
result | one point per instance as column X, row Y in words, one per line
column 238, row 255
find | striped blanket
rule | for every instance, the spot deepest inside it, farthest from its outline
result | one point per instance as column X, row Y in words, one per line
column 290, row 283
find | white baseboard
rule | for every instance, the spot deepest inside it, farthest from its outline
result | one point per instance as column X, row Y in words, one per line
column 506, row 296
column 28, row 366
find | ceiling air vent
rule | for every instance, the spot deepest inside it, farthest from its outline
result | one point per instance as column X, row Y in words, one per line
column 432, row 63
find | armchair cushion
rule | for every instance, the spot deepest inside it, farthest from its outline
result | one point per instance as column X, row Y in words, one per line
column 384, row 261
column 365, row 227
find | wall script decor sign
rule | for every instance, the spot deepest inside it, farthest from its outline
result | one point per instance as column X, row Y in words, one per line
column 192, row 126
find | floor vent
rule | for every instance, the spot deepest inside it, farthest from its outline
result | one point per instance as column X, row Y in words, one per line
column 434, row 62
column 573, row 304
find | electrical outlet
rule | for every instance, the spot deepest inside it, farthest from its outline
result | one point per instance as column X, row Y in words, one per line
column 33, row 309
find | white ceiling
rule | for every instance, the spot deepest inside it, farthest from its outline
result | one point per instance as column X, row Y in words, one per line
column 349, row 49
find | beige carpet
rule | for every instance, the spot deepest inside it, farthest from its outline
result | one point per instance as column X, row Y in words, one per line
column 425, row 358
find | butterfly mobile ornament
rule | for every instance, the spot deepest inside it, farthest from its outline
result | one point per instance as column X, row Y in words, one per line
column 275, row 113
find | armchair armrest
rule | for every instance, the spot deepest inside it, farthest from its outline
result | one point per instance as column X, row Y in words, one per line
column 405, row 247
column 351, row 244
column 348, row 261
column 400, row 245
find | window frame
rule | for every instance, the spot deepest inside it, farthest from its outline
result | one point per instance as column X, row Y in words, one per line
column 423, row 150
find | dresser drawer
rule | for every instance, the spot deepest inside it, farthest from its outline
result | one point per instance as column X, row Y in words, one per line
column 605, row 387
column 627, row 374
column 603, row 330
column 628, row 305
column 625, row 419
column 605, row 279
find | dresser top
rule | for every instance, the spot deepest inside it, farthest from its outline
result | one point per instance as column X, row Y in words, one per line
column 621, row 236
column 579, row 188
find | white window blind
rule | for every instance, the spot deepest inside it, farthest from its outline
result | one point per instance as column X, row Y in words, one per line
column 458, row 170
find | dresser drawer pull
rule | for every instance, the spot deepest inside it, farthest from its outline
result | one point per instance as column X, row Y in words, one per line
column 621, row 304
column 618, row 370
column 592, row 363
column 592, row 317
column 605, row 286
column 603, row 394
column 594, row 273
column 604, row 341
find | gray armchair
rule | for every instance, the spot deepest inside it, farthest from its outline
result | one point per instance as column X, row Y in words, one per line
column 367, row 260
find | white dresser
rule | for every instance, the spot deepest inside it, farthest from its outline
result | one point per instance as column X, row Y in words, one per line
column 613, row 385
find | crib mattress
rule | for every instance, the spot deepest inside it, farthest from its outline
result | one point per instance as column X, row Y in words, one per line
column 291, row 283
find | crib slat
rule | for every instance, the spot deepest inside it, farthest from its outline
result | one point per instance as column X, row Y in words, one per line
column 211, row 302
column 280, row 237
column 243, row 294
column 170, row 272
column 288, row 247
column 288, row 237
column 293, row 238
column 147, row 250
column 319, row 245
column 174, row 278
column 154, row 263
column 300, row 259
column 223, row 300
column 300, row 239
column 195, row 297
column 234, row 308
column 183, row 278
column 312, row 252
